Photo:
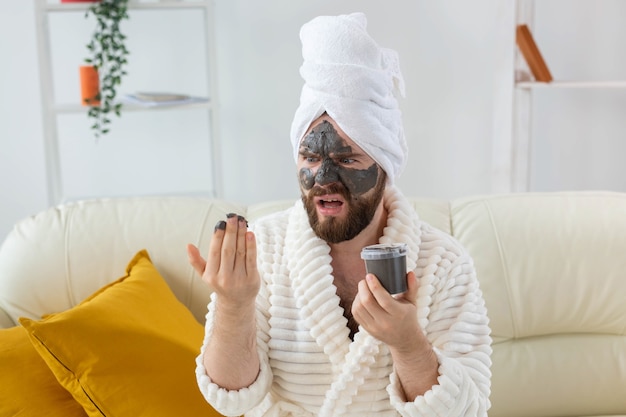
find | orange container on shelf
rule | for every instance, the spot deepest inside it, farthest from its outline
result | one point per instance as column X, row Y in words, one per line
column 89, row 85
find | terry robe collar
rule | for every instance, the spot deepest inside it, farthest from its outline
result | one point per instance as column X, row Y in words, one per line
column 310, row 272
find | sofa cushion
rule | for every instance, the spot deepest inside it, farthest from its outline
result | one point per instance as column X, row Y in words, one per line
column 552, row 270
column 95, row 239
column 127, row 350
column 27, row 387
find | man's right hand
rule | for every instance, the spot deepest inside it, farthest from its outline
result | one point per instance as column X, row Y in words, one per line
column 230, row 268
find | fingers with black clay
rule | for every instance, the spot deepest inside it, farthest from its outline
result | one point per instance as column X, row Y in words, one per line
column 221, row 225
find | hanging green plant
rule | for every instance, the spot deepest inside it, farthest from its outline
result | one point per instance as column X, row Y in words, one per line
column 108, row 55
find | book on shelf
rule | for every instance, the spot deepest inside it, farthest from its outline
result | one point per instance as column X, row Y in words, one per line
column 151, row 99
column 531, row 54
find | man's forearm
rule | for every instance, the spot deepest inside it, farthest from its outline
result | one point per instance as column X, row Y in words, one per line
column 417, row 370
column 231, row 359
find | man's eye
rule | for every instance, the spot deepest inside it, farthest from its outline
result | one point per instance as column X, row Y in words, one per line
column 312, row 159
column 346, row 160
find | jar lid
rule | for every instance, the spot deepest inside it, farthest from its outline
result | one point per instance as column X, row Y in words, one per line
column 384, row 251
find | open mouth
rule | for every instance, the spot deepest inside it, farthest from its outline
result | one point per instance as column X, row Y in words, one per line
column 329, row 205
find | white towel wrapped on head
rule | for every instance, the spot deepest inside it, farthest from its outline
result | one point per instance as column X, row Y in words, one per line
column 352, row 79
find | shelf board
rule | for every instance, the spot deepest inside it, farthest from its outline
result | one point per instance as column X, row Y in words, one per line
column 166, row 4
column 530, row 85
column 78, row 108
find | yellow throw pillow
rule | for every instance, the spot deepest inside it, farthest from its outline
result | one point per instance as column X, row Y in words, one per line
column 27, row 387
column 128, row 350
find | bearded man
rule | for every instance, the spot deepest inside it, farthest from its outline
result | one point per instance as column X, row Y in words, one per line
column 296, row 327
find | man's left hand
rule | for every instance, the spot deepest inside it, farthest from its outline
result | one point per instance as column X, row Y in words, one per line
column 391, row 319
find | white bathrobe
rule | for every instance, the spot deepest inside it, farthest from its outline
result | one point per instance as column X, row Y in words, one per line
column 309, row 365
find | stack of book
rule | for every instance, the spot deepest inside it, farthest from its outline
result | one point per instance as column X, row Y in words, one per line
column 533, row 57
column 148, row 99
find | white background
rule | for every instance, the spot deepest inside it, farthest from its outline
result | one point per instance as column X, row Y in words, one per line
column 456, row 71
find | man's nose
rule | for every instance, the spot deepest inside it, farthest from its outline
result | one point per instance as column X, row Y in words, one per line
column 327, row 173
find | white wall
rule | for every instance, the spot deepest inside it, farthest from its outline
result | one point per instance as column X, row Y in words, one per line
column 22, row 173
column 453, row 63
column 579, row 135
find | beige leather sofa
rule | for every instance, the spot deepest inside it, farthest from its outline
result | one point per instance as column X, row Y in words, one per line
column 552, row 267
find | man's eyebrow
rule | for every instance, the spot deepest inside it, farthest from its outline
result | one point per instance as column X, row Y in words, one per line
column 305, row 150
column 347, row 151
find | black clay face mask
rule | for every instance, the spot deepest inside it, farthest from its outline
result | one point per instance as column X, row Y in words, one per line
column 325, row 143
column 332, row 177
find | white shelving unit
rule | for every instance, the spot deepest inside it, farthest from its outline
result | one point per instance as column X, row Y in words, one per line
column 571, row 84
column 522, row 107
column 52, row 109
column 522, row 141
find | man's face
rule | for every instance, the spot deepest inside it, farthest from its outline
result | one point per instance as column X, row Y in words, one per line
column 341, row 185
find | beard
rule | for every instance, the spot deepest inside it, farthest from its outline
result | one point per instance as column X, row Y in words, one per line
column 360, row 212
